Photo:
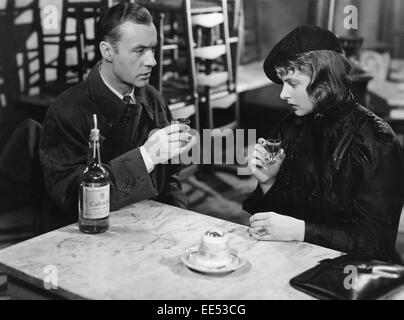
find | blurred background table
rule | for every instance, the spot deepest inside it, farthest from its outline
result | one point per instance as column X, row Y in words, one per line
column 386, row 99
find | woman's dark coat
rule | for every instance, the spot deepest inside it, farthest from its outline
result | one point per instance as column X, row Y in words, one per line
column 343, row 175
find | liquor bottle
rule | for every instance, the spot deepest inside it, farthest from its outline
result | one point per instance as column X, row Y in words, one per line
column 94, row 189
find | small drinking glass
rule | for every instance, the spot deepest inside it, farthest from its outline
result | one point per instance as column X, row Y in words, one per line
column 185, row 121
column 273, row 147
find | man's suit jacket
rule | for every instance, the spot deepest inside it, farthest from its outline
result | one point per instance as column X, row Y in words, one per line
column 64, row 147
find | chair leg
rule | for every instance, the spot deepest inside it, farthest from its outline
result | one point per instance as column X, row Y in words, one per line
column 202, row 186
column 397, row 258
column 3, row 287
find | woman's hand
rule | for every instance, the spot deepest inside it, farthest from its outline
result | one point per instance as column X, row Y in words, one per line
column 265, row 172
column 272, row 226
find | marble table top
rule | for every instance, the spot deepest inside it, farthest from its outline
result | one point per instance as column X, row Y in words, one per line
column 139, row 258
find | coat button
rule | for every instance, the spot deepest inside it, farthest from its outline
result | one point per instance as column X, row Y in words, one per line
column 125, row 119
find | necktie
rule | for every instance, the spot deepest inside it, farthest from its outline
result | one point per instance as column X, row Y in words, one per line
column 126, row 114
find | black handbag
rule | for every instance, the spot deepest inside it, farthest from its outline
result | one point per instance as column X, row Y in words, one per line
column 349, row 277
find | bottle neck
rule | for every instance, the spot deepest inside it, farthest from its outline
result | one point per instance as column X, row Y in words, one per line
column 94, row 156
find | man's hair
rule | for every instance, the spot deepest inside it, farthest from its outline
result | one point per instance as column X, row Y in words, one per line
column 108, row 26
column 328, row 71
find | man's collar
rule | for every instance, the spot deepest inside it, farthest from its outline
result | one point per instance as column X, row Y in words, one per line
column 120, row 96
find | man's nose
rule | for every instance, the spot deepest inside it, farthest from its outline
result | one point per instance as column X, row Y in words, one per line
column 150, row 60
column 285, row 94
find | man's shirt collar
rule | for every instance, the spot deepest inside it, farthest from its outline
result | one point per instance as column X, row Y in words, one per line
column 120, row 96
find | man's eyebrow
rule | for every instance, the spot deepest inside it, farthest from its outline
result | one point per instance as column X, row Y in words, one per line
column 144, row 47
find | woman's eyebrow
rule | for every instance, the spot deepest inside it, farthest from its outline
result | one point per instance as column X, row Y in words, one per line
column 290, row 80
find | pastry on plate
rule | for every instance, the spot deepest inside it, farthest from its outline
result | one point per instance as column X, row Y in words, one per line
column 214, row 250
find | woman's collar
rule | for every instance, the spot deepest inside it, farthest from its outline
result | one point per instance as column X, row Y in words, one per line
column 336, row 112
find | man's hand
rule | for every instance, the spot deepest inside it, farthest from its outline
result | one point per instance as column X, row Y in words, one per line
column 272, row 226
column 169, row 142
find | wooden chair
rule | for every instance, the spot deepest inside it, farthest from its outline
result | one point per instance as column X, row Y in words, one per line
column 217, row 58
column 180, row 90
column 204, row 39
column 8, row 76
column 78, row 33
column 26, row 69
column 3, row 287
column 21, row 184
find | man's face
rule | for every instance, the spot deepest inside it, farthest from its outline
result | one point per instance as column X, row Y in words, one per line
column 133, row 59
column 294, row 91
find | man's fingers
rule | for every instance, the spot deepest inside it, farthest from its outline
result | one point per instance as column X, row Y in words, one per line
column 174, row 137
column 177, row 127
column 184, row 136
column 173, row 128
column 174, row 145
column 189, row 145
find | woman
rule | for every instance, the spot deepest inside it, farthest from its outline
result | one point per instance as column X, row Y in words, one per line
column 338, row 180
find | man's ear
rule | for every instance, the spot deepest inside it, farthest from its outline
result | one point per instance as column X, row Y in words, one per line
column 106, row 50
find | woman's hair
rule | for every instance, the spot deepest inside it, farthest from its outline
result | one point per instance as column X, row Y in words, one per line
column 108, row 26
column 328, row 71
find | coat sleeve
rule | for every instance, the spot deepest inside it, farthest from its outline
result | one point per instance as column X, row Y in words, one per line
column 273, row 200
column 63, row 155
column 171, row 192
column 377, row 206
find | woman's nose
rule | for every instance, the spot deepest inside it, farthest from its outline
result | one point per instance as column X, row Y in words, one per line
column 285, row 94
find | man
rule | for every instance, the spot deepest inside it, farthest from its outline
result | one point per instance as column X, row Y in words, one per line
column 128, row 109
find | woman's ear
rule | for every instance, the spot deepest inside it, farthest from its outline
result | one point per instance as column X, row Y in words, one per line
column 106, row 50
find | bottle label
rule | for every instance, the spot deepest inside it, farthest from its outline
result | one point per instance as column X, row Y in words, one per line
column 96, row 202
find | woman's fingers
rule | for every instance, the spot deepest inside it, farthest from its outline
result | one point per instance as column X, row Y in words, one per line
column 260, row 149
column 282, row 155
column 259, row 223
column 260, row 216
column 258, row 155
column 260, row 233
column 257, row 163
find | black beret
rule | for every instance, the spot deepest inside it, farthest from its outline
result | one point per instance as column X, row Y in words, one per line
column 300, row 40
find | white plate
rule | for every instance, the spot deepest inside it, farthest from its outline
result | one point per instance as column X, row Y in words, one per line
column 188, row 258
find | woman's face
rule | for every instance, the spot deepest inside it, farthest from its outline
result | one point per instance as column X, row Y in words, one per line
column 294, row 91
